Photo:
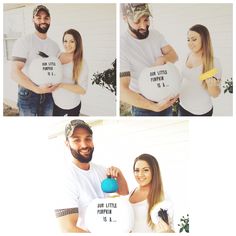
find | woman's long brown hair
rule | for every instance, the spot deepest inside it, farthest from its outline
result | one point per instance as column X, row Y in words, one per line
column 207, row 50
column 156, row 193
column 78, row 53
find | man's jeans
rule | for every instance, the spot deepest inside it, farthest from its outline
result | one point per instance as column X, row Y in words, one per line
column 143, row 112
column 32, row 104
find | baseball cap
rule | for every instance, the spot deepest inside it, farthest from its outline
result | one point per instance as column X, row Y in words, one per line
column 70, row 127
column 40, row 8
column 135, row 10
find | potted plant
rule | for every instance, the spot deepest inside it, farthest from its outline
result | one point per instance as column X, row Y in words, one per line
column 228, row 86
column 107, row 78
column 184, row 224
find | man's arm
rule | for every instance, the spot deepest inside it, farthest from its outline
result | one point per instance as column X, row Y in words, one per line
column 131, row 97
column 24, row 81
column 123, row 186
column 169, row 55
column 115, row 172
column 137, row 100
column 75, row 88
column 68, row 220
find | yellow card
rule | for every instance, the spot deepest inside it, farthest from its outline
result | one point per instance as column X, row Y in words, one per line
column 208, row 74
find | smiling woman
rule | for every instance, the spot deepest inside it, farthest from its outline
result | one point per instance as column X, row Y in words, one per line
column 67, row 99
column 195, row 95
column 148, row 193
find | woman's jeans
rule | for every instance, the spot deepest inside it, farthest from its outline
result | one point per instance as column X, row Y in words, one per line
column 183, row 112
column 136, row 111
column 33, row 104
column 57, row 111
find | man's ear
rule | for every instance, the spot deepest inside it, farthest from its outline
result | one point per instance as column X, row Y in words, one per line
column 67, row 143
column 125, row 18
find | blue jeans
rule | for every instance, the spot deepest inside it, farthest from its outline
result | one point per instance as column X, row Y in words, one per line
column 136, row 111
column 33, row 104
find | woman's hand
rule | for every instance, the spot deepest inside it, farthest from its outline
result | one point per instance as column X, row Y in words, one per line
column 213, row 86
column 162, row 227
column 212, row 82
column 75, row 88
column 60, row 85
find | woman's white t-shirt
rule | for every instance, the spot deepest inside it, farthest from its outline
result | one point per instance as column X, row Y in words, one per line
column 193, row 97
column 140, row 218
column 64, row 98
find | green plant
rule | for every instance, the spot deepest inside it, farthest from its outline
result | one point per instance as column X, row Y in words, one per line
column 106, row 79
column 228, row 87
column 184, row 224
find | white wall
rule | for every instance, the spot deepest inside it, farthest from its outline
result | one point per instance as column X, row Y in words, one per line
column 97, row 25
column 198, row 168
column 30, row 163
column 174, row 20
column 118, row 142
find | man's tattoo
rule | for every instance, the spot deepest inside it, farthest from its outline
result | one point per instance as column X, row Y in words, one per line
column 19, row 59
column 67, row 211
column 125, row 74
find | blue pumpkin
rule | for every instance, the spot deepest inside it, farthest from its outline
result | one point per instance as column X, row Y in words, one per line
column 109, row 185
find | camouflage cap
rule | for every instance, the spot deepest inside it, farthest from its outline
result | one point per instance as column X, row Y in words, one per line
column 40, row 8
column 73, row 124
column 135, row 10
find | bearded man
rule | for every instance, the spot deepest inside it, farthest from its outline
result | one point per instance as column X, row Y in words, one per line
column 34, row 100
column 83, row 180
column 141, row 48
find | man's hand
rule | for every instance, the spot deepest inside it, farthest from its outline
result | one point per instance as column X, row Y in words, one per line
column 157, row 107
column 160, row 61
column 113, row 172
column 46, row 88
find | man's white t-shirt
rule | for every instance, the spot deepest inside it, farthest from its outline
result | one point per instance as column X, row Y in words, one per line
column 193, row 97
column 137, row 54
column 29, row 46
column 64, row 98
column 79, row 187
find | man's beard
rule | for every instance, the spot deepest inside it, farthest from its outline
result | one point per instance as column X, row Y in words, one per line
column 138, row 34
column 81, row 158
column 42, row 30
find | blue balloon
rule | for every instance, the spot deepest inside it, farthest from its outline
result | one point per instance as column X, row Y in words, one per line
column 109, row 185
